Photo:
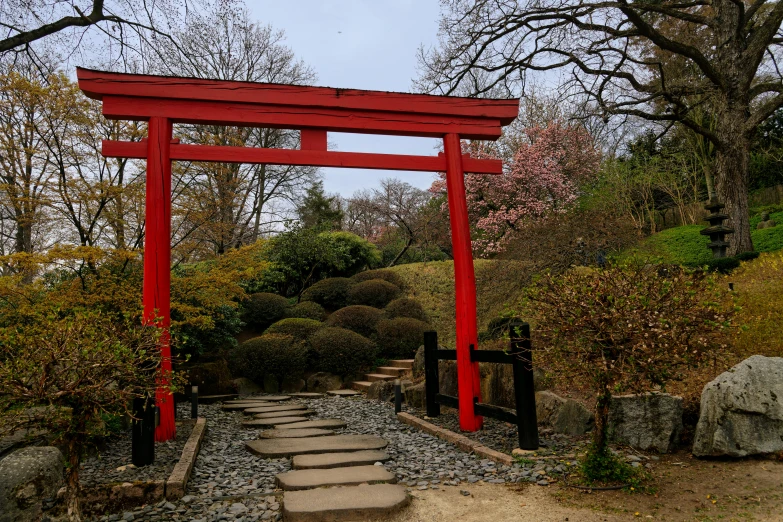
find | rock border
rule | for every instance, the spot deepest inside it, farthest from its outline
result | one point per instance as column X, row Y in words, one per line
column 116, row 497
column 461, row 441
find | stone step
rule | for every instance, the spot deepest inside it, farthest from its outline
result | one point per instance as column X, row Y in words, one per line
column 361, row 386
column 210, row 399
column 339, row 460
column 319, row 423
column 265, row 398
column 372, row 377
column 366, row 502
column 402, row 363
column 318, row 478
column 343, row 393
column 277, row 421
column 244, row 406
column 394, row 371
column 270, row 409
column 282, row 433
column 277, row 448
column 287, row 413
column 307, row 395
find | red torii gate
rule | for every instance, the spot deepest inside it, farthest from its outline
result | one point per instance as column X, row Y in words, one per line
column 163, row 101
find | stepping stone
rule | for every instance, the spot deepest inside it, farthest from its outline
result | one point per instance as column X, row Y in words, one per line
column 271, row 408
column 320, row 423
column 209, row 399
column 229, row 407
column 339, row 460
column 287, row 413
column 307, row 395
column 294, row 434
column 274, row 398
column 317, row 478
column 343, row 393
column 366, row 502
column 255, row 423
column 276, row 448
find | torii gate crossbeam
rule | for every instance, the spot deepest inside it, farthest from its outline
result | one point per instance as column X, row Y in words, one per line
column 163, row 101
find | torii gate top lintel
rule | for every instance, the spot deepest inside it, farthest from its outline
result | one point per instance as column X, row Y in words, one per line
column 163, row 101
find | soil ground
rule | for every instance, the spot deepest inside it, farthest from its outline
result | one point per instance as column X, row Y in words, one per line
column 682, row 488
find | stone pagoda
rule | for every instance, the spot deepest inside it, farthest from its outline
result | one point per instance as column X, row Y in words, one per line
column 717, row 230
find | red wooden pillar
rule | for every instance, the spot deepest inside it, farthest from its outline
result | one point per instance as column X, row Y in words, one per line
column 157, row 258
column 469, row 385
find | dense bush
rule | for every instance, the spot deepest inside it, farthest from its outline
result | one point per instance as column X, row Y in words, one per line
column 357, row 318
column 307, row 310
column 381, row 273
column 330, row 293
column 299, row 329
column 400, row 338
column 278, row 355
column 375, row 292
column 342, row 351
column 262, row 309
column 405, row 307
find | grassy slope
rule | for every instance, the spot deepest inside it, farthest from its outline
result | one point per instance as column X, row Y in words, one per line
column 685, row 246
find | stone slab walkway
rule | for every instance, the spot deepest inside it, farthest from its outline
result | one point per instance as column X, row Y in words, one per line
column 339, row 460
column 286, row 413
column 277, row 421
column 251, row 410
column 348, row 503
column 345, row 476
column 276, row 448
column 282, row 433
column 318, row 423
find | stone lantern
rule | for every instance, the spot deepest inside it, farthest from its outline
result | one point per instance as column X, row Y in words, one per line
column 717, row 230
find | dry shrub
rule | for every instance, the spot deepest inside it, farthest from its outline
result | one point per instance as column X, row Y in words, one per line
column 342, row 351
column 375, row 292
column 400, row 338
column 405, row 307
column 381, row 273
column 307, row 310
column 330, row 293
column 357, row 318
column 262, row 309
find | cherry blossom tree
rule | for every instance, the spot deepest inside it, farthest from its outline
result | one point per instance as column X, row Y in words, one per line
column 543, row 175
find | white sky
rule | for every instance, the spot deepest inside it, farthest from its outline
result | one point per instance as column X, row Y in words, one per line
column 360, row 44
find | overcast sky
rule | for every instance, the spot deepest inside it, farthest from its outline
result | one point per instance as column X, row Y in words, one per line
column 361, row 44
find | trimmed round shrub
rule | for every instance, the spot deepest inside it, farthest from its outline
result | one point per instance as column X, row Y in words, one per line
column 342, row 352
column 357, row 318
column 400, row 338
column 298, row 328
column 307, row 310
column 375, row 292
column 381, row 273
column 330, row 293
column 406, row 307
column 262, row 309
column 278, row 355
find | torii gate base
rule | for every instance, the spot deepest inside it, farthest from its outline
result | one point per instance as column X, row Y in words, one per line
column 164, row 101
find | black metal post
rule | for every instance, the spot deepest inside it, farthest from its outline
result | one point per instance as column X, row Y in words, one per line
column 524, row 390
column 143, row 432
column 194, row 402
column 431, row 384
column 397, row 396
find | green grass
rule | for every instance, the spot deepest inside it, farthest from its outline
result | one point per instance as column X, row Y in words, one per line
column 685, row 246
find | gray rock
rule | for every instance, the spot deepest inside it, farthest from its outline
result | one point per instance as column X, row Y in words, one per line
column 291, row 385
column 323, row 382
column 573, row 419
column 742, row 410
column 415, row 396
column 381, row 391
column 447, row 377
column 28, row 476
column 270, row 384
column 245, row 386
column 418, row 362
column 646, row 422
column 547, row 407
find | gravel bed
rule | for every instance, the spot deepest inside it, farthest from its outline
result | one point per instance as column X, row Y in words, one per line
column 114, row 465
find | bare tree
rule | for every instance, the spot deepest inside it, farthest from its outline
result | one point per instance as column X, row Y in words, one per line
column 653, row 60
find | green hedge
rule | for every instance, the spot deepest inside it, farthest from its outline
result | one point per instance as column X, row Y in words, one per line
column 278, row 355
column 406, row 307
column 342, row 351
column 375, row 292
column 262, row 309
column 400, row 338
column 357, row 318
column 298, row 328
column 307, row 310
column 330, row 293
column 381, row 273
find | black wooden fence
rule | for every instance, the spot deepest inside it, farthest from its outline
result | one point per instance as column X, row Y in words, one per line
column 519, row 355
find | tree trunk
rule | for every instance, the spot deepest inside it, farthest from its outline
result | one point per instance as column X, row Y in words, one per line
column 72, row 480
column 731, row 169
column 601, row 419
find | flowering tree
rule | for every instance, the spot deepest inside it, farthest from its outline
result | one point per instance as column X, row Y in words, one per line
column 543, row 175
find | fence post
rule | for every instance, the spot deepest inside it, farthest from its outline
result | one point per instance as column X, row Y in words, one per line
column 143, row 432
column 431, row 384
column 397, row 396
column 524, row 390
column 194, row 402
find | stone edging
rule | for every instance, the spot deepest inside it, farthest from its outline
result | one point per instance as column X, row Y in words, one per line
column 178, row 480
column 461, row 441
column 116, row 497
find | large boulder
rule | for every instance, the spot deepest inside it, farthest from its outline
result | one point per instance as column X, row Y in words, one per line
column 322, row 382
column 548, row 406
column 447, row 378
column 651, row 421
column 28, row 478
column 212, row 378
column 381, row 391
column 415, row 396
column 742, row 410
column 418, row 363
column 573, row 419
column 245, row 386
column 293, row 385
